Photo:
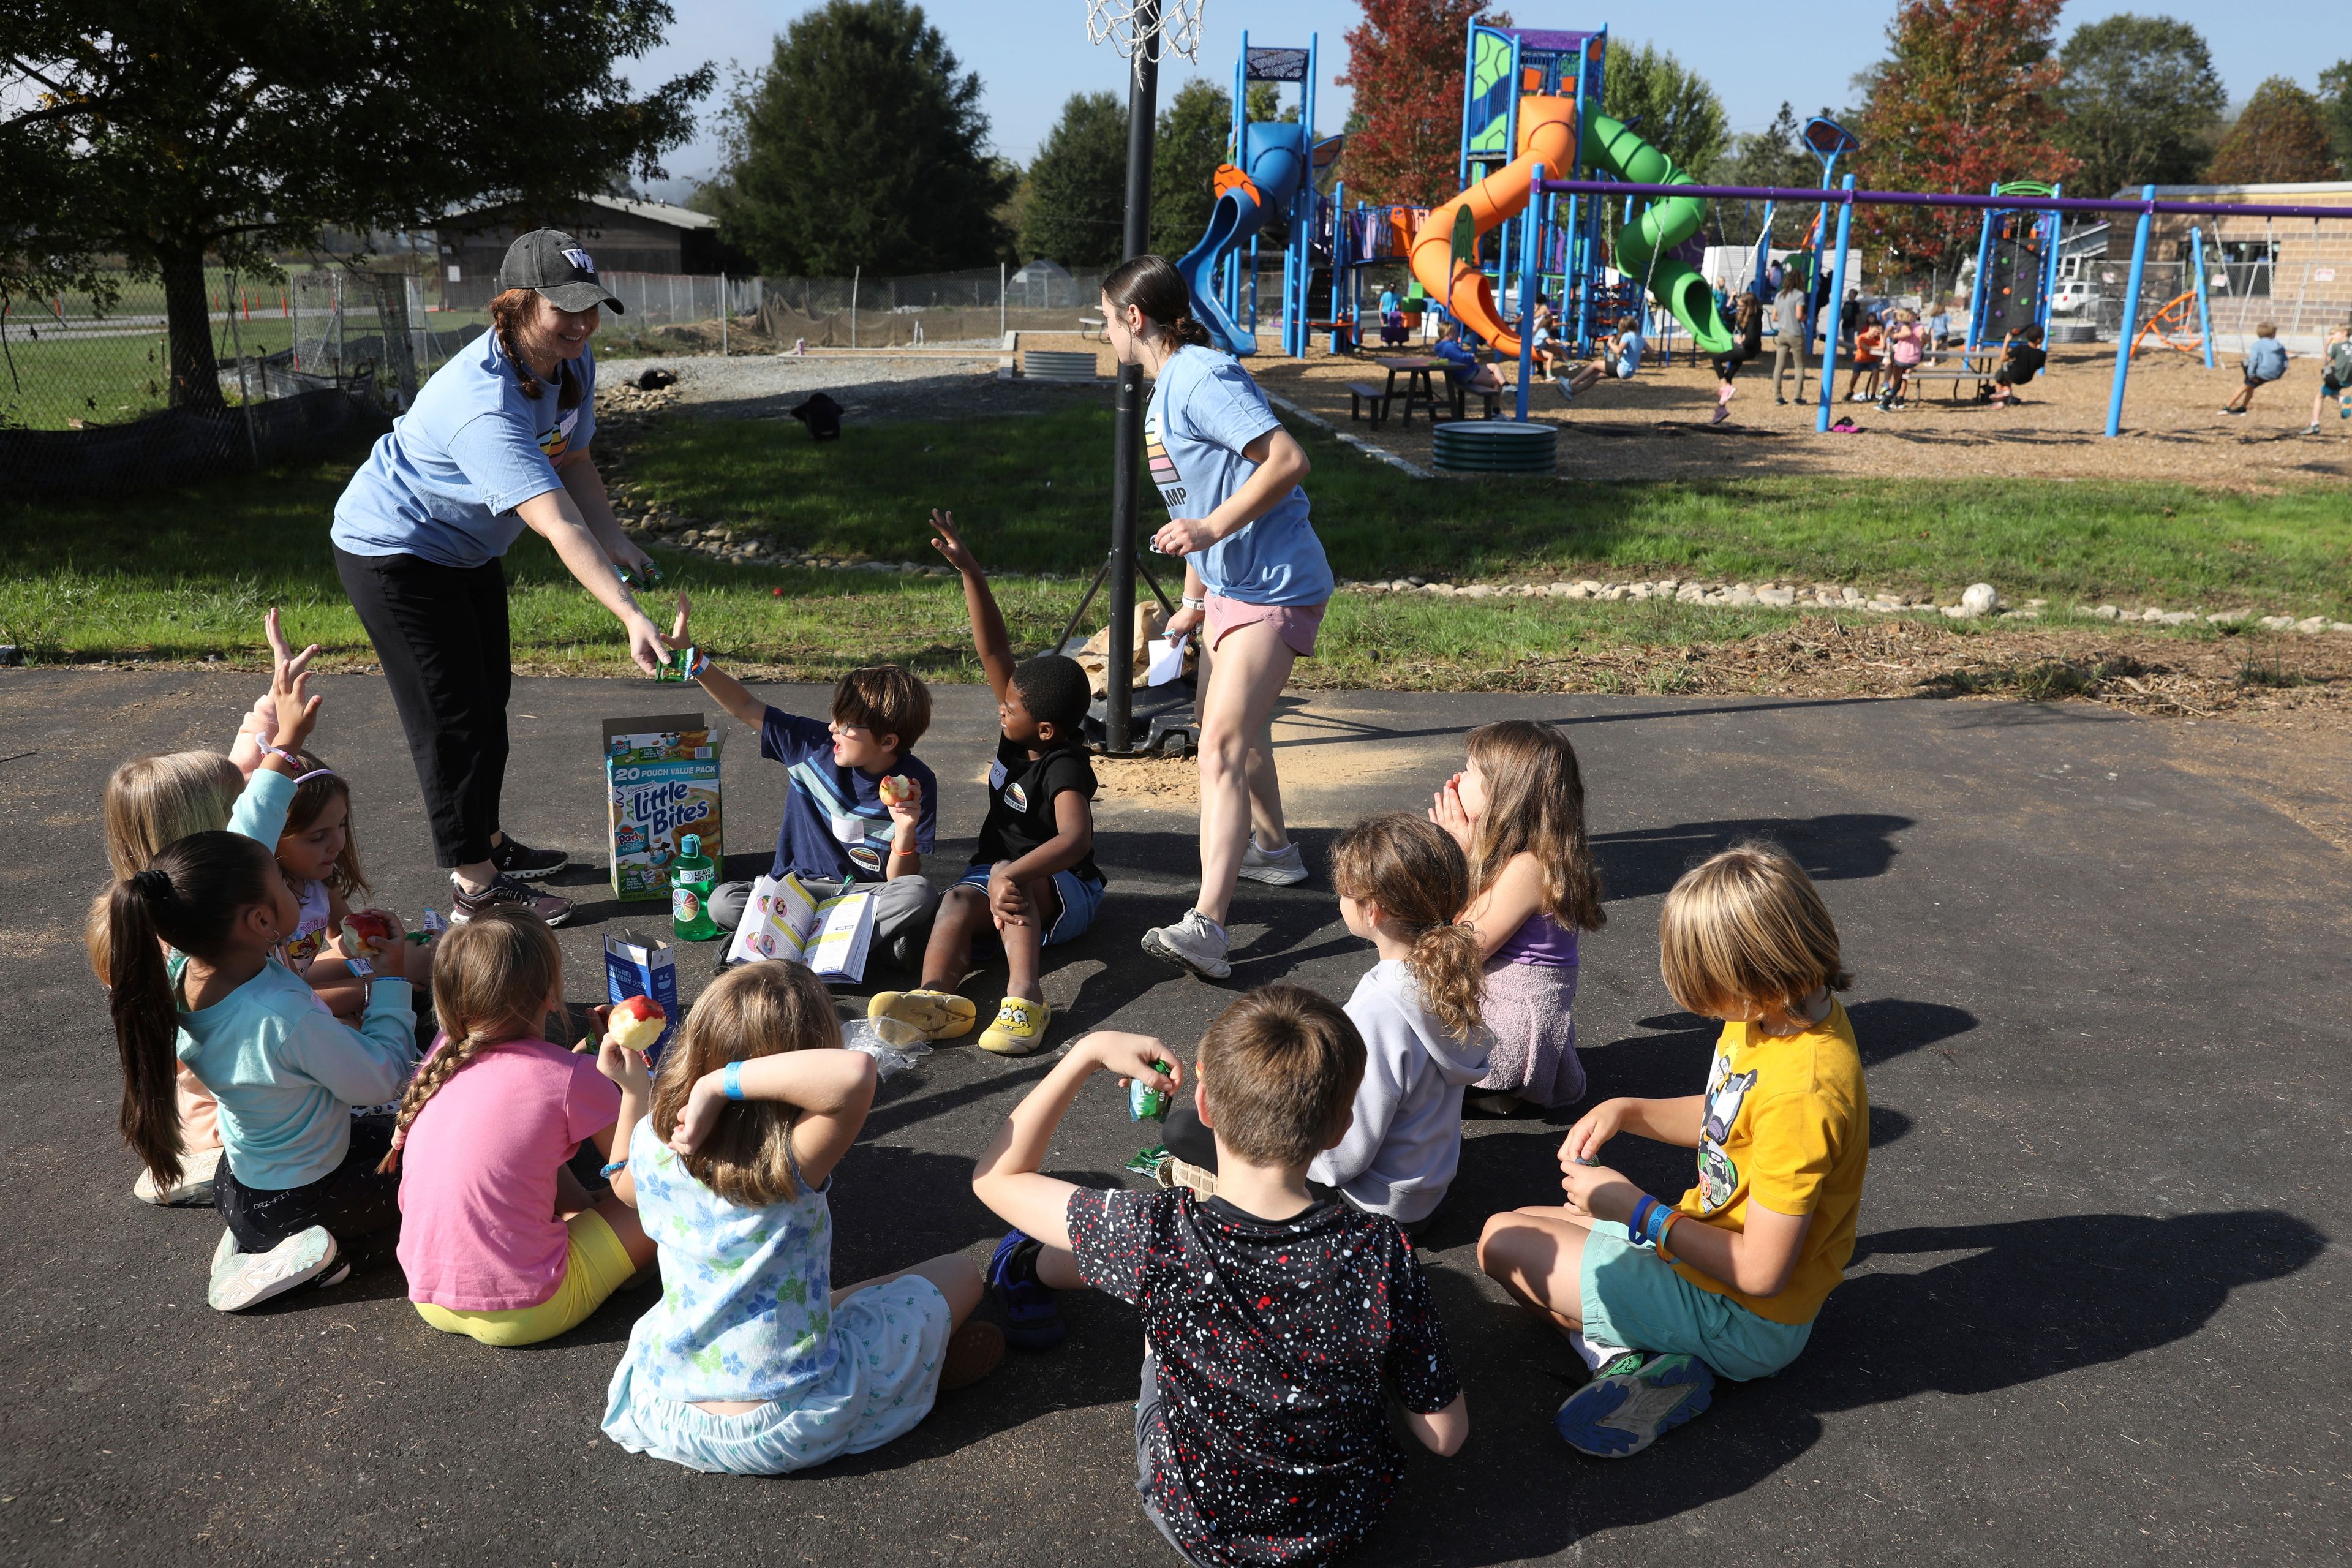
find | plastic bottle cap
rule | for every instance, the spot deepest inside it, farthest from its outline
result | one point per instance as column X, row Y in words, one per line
column 689, row 844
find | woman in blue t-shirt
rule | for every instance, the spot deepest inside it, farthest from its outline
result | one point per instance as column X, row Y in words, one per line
column 1255, row 584
column 498, row 442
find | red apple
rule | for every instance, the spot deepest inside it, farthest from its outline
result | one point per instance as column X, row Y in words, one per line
column 637, row 1022
column 368, row 932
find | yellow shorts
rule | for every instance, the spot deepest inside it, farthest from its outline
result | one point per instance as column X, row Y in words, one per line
column 595, row 1266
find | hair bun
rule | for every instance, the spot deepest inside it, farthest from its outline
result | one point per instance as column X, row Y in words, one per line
column 152, row 885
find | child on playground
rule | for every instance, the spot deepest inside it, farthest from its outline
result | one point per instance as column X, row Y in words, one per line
column 1867, row 344
column 499, row 1239
column 1620, row 356
column 2265, row 362
column 296, row 1183
column 1516, row 808
column 1462, row 363
column 838, row 834
column 1273, row 1321
column 2022, row 360
column 321, row 862
column 752, row 1363
column 1401, row 882
column 1033, row 883
column 1661, row 1299
column 1905, row 346
column 1747, row 334
column 2335, row 378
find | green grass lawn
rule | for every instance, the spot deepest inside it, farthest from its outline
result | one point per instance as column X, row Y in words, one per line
column 184, row 574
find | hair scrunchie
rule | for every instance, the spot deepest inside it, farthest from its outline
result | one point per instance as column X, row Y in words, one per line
column 153, row 885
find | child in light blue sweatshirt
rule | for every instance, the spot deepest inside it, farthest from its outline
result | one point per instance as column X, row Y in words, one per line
column 298, row 1182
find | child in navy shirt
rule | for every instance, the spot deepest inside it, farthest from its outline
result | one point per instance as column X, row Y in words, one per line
column 838, row 834
column 1033, row 883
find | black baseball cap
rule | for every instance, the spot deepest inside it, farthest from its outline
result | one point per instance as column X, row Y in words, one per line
column 557, row 267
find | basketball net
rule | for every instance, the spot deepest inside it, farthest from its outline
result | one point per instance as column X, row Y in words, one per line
column 1176, row 28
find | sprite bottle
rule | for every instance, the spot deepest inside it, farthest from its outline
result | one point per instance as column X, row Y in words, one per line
column 692, row 876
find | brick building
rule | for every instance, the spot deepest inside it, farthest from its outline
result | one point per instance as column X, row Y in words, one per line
column 2293, row 271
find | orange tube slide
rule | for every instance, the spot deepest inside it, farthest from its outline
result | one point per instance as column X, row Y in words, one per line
column 1547, row 136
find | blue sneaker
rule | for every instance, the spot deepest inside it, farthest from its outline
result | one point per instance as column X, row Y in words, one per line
column 1033, row 1309
column 1634, row 1401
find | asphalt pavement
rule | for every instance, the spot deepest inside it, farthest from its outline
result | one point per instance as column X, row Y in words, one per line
column 2095, row 1314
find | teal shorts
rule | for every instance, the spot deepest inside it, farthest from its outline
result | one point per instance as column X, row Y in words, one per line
column 1633, row 1298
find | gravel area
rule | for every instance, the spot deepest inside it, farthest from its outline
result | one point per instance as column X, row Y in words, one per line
column 917, row 384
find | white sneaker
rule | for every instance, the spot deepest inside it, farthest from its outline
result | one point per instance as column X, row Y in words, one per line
column 193, row 1190
column 1195, row 942
column 242, row 1279
column 1280, row 868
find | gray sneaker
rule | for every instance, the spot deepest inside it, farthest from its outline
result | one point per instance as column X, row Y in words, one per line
column 242, row 1279
column 198, row 1168
column 506, row 893
column 1195, row 942
column 1280, row 868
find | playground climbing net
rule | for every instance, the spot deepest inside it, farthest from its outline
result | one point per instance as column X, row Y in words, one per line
column 1152, row 28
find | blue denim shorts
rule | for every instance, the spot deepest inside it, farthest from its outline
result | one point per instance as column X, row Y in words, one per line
column 1635, row 1300
column 1080, row 901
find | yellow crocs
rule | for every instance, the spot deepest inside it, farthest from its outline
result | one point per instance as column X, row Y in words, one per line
column 1019, row 1030
column 934, row 1014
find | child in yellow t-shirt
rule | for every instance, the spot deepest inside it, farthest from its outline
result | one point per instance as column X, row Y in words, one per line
column 1663, row 1298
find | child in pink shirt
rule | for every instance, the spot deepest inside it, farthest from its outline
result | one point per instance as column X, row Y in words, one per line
column 498, row 1240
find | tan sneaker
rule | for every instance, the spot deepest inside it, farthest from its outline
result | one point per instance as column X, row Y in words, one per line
column 934, row 1014
column 1019, row 1030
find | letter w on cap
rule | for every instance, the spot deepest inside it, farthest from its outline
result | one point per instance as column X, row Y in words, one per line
column 580, row 259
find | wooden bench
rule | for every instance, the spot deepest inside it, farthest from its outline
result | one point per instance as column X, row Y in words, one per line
column 1461, row 391
column 1360, row 393
column 1955, row 374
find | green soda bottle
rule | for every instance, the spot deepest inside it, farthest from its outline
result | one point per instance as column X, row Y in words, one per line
column 692, row 876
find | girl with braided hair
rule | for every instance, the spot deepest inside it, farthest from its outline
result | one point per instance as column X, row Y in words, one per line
column 499, row 1239
column 297, row 1182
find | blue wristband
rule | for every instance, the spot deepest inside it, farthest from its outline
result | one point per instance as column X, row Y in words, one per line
column 615, row 1168
column 730, row 1082
column 1637, row 1222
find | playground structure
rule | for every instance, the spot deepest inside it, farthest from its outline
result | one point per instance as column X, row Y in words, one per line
column 2185, row 321
column 1270, row 173
column 2017, row 264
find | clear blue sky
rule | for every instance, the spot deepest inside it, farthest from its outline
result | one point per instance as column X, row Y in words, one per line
column 1033, row 54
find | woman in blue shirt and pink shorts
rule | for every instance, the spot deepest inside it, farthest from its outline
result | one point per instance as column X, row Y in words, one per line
column 1255, row 584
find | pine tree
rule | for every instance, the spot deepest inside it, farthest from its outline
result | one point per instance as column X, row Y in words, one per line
column 1962, row 101
column 2283, row 137
column 1074, row 210
column 1404, row 61
column 862, row 144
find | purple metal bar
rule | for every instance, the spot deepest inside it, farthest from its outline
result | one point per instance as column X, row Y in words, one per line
column 1923, row 199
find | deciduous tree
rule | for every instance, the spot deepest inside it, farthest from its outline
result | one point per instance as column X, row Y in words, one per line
column 166, row 132
column 1404, row 61
column 2283, row 136
column 1669, row 105
column 2140, row 100
column 862, row 144
column 1075, row 209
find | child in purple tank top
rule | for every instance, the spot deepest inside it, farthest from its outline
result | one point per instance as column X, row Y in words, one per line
column 1517, row 810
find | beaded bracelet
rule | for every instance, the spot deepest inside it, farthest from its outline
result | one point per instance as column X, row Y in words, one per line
column 730, row 1082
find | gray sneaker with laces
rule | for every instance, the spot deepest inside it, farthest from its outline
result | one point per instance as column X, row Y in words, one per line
column 242, row 1279
column 506, row 893
column 1276, row 868
column 1195, row 942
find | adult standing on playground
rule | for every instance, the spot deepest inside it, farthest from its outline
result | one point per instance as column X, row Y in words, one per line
column 1255, row 584
column 498, row 442
column 1789, row 332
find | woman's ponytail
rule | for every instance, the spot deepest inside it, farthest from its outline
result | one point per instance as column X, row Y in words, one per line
column 1187, row 331
column 191, row 898
column 1415, row 872
column 1152, row 285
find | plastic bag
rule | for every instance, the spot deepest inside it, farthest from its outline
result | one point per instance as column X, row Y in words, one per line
column 894, row 1047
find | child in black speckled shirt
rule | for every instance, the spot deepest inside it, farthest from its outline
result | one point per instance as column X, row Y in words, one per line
column 1276, row 1322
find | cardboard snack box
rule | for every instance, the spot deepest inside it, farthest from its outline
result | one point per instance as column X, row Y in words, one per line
column 661, row 781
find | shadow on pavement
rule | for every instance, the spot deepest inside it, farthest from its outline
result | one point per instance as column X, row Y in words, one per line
column 1840, row 846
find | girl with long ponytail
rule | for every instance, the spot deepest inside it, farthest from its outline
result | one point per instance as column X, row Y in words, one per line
column 1255, row 583
column 297, row 1182
column 1402, row 883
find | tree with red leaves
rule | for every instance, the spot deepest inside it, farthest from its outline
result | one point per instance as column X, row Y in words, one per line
column 1961, row 102
column 1404, row 61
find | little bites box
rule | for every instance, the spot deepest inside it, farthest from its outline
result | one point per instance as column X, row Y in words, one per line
column 661, row 780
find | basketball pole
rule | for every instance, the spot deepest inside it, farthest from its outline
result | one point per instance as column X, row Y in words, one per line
column 1127, row 452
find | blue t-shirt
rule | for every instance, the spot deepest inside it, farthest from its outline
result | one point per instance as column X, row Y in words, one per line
column 1388, row 302
column 823, row 789
column 1629, row 352
column 1204, row 409
column 1461, row 361
column 445, row 483
column 2266, row 360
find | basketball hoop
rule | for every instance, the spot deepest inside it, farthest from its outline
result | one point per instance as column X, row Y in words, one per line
column 1149, row 29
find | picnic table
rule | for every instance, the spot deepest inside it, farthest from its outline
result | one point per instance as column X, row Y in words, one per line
column 1968, row 368
column 1416, row 370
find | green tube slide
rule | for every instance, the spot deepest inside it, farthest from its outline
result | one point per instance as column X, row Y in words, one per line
column 1665, row 222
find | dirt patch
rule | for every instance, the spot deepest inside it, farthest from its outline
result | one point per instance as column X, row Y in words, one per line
column 1157, row 781
column 1656, row 427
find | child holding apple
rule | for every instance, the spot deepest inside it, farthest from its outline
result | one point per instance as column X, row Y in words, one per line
column 863, row 809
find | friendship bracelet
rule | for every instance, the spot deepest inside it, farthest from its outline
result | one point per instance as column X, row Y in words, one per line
column 1665, row 1230
column 730, row 1082
column 615, row 1168
column 701, row 663
column 283, row 755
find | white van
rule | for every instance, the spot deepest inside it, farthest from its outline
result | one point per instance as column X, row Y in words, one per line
column 2075, row 296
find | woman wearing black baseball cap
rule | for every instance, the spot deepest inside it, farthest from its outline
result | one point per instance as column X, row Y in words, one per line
column 498, row 442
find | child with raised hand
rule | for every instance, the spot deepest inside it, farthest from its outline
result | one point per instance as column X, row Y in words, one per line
column 837, row 772
column 1517, row 810
column 1728, row 1280
column 498, row 1238
column 296, row 1182
column 752, row 1364
column 1274, row 1322
column 1402, row 885
column 1033, row 883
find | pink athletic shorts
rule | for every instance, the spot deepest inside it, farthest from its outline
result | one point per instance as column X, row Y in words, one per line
column 1296, row 624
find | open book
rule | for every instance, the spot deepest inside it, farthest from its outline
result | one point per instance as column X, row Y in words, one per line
column 780, row 921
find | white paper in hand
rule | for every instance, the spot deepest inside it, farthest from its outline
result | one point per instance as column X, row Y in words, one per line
column 1166, row 662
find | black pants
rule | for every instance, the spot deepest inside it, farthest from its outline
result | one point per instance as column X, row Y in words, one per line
column 351, row 1201
column 441, row 635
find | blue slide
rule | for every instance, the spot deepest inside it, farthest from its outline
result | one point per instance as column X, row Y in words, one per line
column 1275, row 160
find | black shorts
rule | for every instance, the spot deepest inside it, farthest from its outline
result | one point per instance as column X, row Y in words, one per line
column 352, row 1200
column 2254, row 380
